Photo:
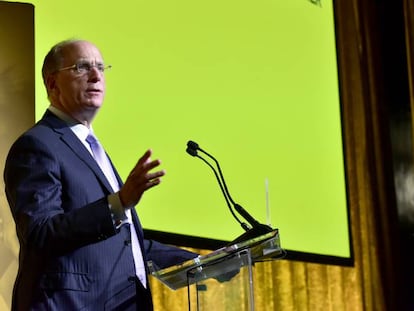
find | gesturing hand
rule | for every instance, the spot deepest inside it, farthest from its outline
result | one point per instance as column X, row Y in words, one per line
column 140, row 179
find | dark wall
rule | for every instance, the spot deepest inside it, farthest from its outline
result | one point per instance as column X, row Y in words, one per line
column 17, row 98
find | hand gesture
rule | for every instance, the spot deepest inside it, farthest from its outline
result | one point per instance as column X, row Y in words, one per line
column 140, row 179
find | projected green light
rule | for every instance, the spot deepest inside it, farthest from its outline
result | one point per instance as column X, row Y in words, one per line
column 254, row 83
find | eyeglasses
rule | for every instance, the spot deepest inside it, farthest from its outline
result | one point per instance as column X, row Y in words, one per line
column 84, row 67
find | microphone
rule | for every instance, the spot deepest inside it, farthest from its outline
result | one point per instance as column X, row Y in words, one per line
column 192, row 150
column 257, row 228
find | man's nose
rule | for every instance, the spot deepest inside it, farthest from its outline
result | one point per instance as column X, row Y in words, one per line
column 94, row 74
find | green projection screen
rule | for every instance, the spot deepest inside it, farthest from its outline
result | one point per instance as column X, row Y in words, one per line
column 252, row 82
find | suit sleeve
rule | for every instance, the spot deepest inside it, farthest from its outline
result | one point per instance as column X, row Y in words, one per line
column 164, row 256
column 34, row 189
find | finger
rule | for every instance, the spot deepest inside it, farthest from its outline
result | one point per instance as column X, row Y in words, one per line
column 151, row 165
column 155, row 175
column 145, row 157
column 142, row 171
column 152, row 183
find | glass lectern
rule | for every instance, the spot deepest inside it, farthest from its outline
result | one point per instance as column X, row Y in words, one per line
column 222, row 279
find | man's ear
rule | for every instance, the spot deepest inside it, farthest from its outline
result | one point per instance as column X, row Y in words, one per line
column 51, row 84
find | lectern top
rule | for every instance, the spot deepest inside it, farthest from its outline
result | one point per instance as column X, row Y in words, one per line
column 264, row 247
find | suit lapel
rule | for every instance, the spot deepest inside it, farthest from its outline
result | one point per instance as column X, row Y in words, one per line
column 73, row 142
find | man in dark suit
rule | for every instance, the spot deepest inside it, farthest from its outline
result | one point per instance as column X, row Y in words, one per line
column 81, row 243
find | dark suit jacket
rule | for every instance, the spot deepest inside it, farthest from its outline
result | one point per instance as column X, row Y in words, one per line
column 71, row 255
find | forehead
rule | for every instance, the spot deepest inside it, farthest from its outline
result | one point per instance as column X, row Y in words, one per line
column 81, row 50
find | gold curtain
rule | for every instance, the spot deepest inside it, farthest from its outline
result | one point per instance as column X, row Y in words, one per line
column 371, row 284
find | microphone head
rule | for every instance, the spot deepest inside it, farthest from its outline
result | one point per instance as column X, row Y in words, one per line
column 192, row 152
column 192, row 145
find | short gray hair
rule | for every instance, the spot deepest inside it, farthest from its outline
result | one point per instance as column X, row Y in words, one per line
column 54, row 59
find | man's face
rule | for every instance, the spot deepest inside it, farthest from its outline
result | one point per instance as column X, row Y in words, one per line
column 79, row 94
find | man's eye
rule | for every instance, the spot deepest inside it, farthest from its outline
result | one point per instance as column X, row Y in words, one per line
column 101, row 67
column 83, row 67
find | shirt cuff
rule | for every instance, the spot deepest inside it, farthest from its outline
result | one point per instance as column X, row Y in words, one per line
column 117, row 210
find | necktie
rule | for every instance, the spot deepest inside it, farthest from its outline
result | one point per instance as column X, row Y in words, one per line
column 103, row 161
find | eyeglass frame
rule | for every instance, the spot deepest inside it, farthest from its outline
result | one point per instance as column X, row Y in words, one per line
column 84, row 70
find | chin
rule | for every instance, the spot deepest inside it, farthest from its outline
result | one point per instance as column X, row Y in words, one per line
column 94, row 103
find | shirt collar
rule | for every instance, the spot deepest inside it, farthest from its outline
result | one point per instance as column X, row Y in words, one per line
column 80, row 130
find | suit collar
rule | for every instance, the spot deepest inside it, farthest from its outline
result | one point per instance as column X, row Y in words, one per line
column 63, row 116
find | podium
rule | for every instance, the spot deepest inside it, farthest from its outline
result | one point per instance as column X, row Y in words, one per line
column 222, row 279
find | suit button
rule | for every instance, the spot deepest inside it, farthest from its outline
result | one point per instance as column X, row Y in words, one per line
column 127, row 242
column 132, row 279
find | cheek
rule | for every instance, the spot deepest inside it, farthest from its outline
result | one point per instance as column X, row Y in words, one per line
column 70, row 95
column 74, row 90
column 67, row 93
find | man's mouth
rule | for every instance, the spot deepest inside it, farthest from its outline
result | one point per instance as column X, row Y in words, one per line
column 93, row 91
